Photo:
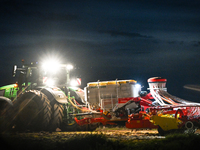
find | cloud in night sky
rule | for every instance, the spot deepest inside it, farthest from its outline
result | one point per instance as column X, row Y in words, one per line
column 105, row 39
column 119, row 33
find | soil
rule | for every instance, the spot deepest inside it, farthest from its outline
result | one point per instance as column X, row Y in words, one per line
column 47, row 140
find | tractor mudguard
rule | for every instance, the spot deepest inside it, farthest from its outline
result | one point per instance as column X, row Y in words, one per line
column 55, row 93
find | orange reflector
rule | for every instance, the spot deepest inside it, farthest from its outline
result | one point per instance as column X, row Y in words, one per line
column 16, row 85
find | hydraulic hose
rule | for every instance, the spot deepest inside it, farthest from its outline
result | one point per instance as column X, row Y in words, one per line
column 84, row 110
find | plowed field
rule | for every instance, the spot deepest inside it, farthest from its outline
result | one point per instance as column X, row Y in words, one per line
column 72, row 140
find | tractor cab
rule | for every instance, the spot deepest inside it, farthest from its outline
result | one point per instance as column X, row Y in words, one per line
column 44, row 75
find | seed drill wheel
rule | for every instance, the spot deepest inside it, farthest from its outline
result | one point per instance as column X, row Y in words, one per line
column 6, row 115
column 189, row 128
column 33, row 111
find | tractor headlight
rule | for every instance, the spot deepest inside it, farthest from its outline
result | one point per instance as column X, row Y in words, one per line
column 50, row 82
column 73, row 82
column 69, row 67
column 51, row 66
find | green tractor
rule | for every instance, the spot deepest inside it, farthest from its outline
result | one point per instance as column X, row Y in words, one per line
column 42, row 100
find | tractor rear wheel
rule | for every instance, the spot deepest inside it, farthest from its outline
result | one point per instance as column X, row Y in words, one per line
column 6, row 115
column 56, row 117
column 33, row 111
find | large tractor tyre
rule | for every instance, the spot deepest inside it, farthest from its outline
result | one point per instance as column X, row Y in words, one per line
column 33, row 111
column 56, row 117
column 76, row 96
column 6, row 115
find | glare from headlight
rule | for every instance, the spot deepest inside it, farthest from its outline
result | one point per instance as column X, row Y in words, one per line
column 50, row 82
column 73, row 82
column 69, row 67
column 51, row 65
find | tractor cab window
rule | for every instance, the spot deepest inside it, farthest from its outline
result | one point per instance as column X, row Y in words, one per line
column 57, row 77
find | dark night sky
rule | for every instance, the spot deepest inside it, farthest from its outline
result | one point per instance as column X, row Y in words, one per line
column 105, row 39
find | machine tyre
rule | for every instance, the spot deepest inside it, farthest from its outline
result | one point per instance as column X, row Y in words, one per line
column 77, row 98
column 6, row 115
column 189, row 128
column 33, row 111
column 56, row 117
column 69, row 123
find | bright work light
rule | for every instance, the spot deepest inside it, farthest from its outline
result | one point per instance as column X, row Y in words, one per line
column 50, row 82
column 51, row 65
column 69, row 67
column 73, row 82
